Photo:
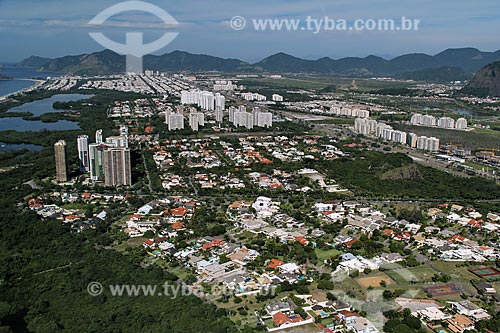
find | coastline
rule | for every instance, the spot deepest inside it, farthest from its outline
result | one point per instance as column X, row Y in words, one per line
column 35, row 85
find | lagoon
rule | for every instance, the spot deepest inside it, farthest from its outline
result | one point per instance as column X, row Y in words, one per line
column 38, row 108
column 10, row 147
column 21, row 125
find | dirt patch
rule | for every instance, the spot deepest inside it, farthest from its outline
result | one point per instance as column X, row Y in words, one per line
column 374, row 281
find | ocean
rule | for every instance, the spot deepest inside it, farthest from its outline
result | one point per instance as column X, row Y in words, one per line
column 20, row 79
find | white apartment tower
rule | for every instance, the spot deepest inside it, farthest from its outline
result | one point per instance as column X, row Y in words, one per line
column 446, row 122
column 98, row 136
column 265, row 119
column 277, row 98
column 428, row 120
column 219, row 116
column 82, row 143
column 175, row 122
column 220, row 102
column 196, row 119
column 416, row 119
column 461, row 124
column 232, row 110
column 361, row 126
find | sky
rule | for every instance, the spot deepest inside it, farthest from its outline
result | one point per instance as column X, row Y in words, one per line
column 54, row 28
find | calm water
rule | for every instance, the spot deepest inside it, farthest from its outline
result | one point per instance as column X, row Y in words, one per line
column 38, row 108
column 11, row 86
column 46, row 105
column 463, row 112
column 9, row 147
column 8, row 87
column 21, row 125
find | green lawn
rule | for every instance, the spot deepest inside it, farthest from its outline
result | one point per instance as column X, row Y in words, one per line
column 293, row 83
column 76, row 206
column 180, row 272
column 475, row 166
column 451, row 268
column 323, row 255
column 131, row 242
column 417, row 275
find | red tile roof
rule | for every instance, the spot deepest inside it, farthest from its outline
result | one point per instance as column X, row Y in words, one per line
column 275, row 263
column 349, row 244
column 178, row 225
column 301, row 240
column 180, row 211
column 279, row 318
column 388, row 232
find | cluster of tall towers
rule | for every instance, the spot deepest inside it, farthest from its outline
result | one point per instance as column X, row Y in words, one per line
column 106, row 160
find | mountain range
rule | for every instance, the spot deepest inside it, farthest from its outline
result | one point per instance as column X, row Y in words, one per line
column 457, row 62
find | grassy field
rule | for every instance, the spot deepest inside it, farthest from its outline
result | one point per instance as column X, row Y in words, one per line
column 475, row 166
column 131, row 242
column 417, row 275
column 180, row 272
column 488, row 131
column 288, row 83
column 321, row 82
column 336, row 121
column 474, row 139
column 372, row 85
column 75, row 206
column 324, row 255
column 452, row 268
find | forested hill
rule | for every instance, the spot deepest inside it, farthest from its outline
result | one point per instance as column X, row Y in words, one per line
column 486, row 82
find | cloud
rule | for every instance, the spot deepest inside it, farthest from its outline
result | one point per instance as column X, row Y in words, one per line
column 116, row 24
column 204, row 26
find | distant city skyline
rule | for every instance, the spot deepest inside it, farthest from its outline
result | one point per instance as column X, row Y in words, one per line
column 55, row 28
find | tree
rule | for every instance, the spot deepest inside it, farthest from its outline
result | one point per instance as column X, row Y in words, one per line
column 149, row 234
column 325, row 285
column 301, row 312
column 387, row 295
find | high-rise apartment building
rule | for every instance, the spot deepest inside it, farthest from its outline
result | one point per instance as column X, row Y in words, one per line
column 117, row 167
column 220, row 102
column 196, row 119
column 96, row 158
column 61, row 163
column 82, row 143
column 175, row 121
column 461, row 124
